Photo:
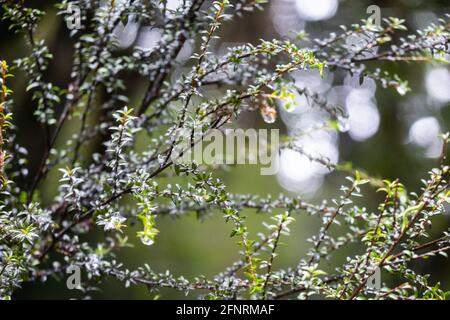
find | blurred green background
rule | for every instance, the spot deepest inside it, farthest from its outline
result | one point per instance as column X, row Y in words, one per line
column 400, row 144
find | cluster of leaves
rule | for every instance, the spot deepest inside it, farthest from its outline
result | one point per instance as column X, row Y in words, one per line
column 5, row 116
column 122, row 184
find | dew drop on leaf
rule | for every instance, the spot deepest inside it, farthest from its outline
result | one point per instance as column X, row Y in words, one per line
column 343, row 124
column 402, row 89
column 269, row 117
column 161, row 159
column 147, row 241
column 268, row 113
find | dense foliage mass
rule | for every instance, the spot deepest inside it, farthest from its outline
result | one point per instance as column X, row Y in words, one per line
column 121, row 183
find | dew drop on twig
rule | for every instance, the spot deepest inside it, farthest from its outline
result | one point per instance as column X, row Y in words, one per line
column 161, row 159
column 402, row 89
column 268, row 113
column 343, row 124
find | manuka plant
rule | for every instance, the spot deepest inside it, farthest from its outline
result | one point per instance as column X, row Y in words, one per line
column 122, row 184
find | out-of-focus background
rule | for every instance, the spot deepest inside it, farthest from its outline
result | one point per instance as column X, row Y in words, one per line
column 390, row 136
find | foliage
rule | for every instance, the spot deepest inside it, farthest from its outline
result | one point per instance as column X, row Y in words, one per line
column 123, row 184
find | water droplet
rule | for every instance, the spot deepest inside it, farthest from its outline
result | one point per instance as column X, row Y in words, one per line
column 269, row 118
column 268, row 113
column 343, row 124
column 402, row 89
column 161, row 159
column 147, row 241
column 289, row 106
